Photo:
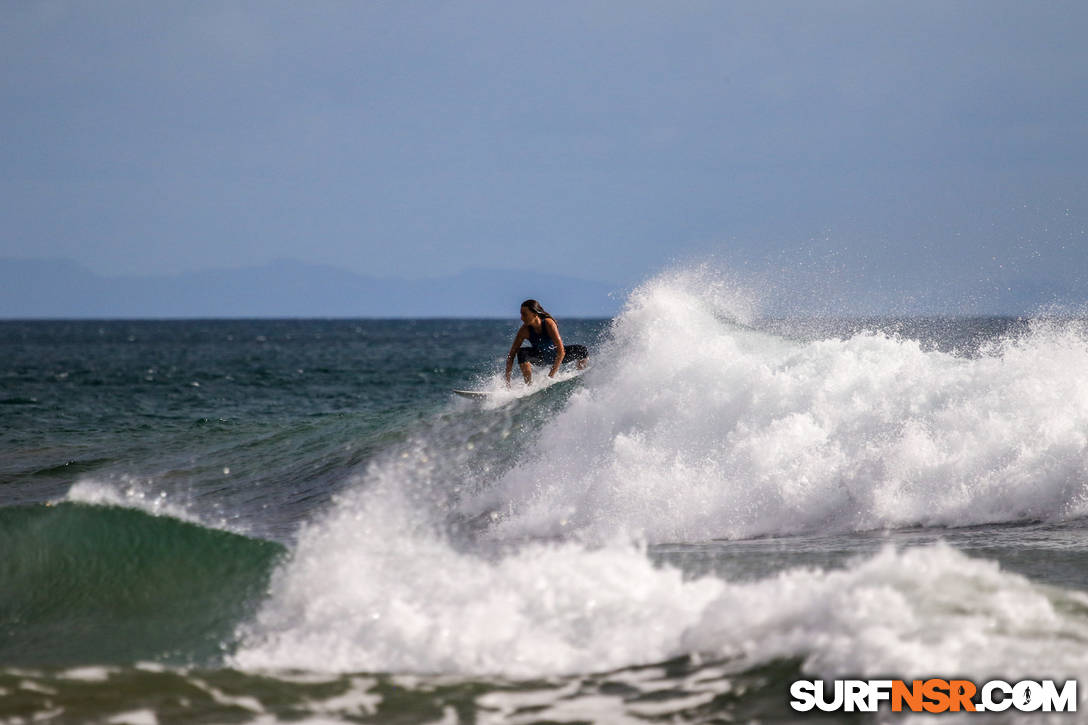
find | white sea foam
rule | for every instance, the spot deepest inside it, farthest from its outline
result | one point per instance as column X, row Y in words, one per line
column 369, row 589
column 135, row 717
column 496, row 393
column 362, row 594
column 87, row 674
column 692, row 426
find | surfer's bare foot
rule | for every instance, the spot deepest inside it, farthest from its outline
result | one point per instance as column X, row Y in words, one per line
column 582, row 363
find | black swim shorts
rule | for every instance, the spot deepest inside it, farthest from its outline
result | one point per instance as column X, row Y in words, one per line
column 547, row 356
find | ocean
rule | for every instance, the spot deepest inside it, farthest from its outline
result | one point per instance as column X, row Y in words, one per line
column 263, row 521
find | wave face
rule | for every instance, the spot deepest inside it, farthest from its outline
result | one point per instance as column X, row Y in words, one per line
column 89, row 584
column 692, row 425
column 499, row 545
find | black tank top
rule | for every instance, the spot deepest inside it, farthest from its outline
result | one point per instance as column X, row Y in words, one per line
column 540, row 340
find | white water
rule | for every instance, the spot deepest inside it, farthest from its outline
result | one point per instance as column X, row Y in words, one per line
column 691, row 426
column 696, row 426
column 495, row 392
column 374, row 593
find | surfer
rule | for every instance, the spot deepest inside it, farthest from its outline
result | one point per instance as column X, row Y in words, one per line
column 546, row 346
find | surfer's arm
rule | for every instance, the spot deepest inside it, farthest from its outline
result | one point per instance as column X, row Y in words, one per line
column 560, row 351
column 518, row 339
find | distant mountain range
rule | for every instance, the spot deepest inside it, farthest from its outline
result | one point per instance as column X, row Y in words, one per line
column 285, row 288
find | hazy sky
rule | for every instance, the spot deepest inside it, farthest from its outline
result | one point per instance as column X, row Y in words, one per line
column 879, row 143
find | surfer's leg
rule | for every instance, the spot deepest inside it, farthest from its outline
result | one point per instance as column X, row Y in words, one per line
column 526, row 365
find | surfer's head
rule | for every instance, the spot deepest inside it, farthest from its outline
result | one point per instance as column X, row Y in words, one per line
column 531, row 308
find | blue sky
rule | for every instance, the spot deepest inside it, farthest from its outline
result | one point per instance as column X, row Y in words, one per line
column 893, row 148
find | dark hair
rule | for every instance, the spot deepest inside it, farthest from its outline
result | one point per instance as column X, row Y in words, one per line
column 535, row 308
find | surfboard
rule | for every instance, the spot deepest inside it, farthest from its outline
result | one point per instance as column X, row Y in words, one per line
column 518, row 390
column 476, row 393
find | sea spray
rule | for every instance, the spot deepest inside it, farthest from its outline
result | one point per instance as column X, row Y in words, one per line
column 692, row 426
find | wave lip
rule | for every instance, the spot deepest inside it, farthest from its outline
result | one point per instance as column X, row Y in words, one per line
column 131, row 496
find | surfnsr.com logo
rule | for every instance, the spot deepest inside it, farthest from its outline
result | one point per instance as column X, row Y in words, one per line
column 933, row 695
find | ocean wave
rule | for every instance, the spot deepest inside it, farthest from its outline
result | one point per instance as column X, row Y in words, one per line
column 92, row 585
column 513, row 541
column 692, row 425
